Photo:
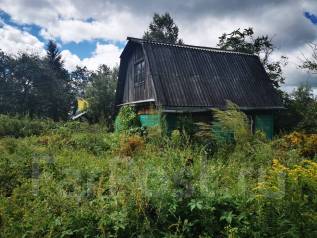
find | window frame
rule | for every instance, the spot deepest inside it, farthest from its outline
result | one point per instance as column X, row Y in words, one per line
column 139, row 73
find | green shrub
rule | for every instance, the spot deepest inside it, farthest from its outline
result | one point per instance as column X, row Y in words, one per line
column 21, row 127
column 127, row 120
column 130, row 144
column 232, row 120
column 305, row 143
column 286, row 201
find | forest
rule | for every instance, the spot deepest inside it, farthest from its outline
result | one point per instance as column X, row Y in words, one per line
column 85, row 178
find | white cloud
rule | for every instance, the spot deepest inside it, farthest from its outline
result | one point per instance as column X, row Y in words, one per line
column 70, row 60
column 286, row 24
column 293, row 74
column 14, row 41
column 67, row 20
column 104, row 54
column 200, row 22
column 117, row 27
column 39, row 12
column 207, row 30
column 309, row 5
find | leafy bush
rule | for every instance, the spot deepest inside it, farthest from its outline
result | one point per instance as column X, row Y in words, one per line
column 232, row 120
column 286, row 201
column 127, row 120
column 130, row 144
column 229, row 129
column 21, row 127
column 300, row 113
column 306, row 143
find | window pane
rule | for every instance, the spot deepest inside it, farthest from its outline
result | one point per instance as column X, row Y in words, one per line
column 139, row 72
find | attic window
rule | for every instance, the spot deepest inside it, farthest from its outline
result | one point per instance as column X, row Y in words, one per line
column 139, row 72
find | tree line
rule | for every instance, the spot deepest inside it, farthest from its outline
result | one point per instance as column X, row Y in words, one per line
column 43, row 88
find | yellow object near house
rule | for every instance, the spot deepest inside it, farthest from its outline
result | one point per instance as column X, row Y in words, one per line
column 82, row 105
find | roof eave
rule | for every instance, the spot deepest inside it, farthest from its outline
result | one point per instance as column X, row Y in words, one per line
column 137, row 102
column 141, row 41
column 179, row 109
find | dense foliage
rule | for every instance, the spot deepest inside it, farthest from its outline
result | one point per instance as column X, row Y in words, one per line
column 127, row 120
column 100, row 94
column 300, row 111
column 43, row 88
column 34, row 86
column 76, row 180
column 163, row 29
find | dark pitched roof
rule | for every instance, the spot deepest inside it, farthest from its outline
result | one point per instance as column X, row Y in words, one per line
column 194, row 76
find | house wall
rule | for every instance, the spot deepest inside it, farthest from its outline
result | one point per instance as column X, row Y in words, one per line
column 263, row 121
column 137, row 91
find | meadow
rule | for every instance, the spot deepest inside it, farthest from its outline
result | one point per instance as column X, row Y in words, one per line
column 72, row 179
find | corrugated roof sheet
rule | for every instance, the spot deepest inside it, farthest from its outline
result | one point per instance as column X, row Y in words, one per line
column 192, row 76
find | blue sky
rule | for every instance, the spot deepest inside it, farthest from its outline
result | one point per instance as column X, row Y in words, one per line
column 93, row 33
column 83, row 49
column 312, row 17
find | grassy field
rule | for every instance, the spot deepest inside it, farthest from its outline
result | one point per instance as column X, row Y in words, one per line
column 78, row 180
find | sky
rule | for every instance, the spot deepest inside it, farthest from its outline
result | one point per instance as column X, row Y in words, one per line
column 93, row 32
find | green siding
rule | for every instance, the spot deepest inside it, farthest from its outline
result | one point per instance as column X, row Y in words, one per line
column 221, row 135
column 171, row 122
column 150, row 120
column 265, row 124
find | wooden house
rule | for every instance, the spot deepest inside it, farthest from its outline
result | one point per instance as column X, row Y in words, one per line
column 187, row 79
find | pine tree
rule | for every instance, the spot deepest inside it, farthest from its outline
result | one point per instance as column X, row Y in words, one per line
column 163, row 29
column 56, row 85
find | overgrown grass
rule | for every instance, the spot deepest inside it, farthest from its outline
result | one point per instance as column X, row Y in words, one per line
column 74, row 180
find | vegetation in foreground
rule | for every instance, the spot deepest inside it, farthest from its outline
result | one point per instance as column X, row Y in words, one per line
column 77, row 180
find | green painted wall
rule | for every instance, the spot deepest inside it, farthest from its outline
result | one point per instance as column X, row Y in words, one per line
column 221, row 135
column 150, row 120
column 171, row 122
column 265, row 124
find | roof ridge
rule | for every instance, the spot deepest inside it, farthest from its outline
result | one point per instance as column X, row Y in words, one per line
column 195, row 47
